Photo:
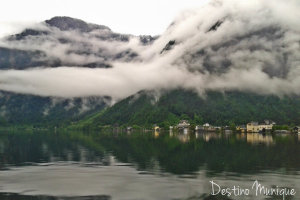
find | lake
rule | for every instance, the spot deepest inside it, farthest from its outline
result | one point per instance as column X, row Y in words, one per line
column 42, row 165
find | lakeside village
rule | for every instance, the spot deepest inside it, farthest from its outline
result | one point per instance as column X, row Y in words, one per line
column 267, row 126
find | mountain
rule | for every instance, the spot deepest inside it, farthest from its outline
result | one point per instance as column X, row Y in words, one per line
column 18, row 109
column 60, row 41
column 68, row 23
column 226, row 62
column 146, row 109
column 65, row 41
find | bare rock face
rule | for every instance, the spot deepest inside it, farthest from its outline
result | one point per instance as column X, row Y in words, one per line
column 68, row 23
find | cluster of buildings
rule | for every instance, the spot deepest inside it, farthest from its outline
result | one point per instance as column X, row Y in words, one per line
column 183, row 124
column 255, row 127
column 252, row 127
column 207, row 127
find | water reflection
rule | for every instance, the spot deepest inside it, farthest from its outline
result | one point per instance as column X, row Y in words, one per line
column 105, row 160
column 23, row 148
column 209, row 136
column 217, row 152
column 241, row 136
column 183, row 137
column 256, row 138
column 156, row 133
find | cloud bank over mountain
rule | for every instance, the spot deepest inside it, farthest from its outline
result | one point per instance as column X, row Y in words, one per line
column 224, row 45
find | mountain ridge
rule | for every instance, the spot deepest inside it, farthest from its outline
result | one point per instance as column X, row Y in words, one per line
column 251, row 54
column 45, row 40
column 65, row 23
column 146, row 109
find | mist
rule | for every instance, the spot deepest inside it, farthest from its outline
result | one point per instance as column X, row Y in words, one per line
column 250, row 46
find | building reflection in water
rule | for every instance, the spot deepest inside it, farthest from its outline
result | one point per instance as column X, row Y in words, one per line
column 256, row 138
column 253, row 138
column 156, row 134
column 241, row 136
column 171, row 134
column 185, row 131
column 184, row 137
column 209, row 136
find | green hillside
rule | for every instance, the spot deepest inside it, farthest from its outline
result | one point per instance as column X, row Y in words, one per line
column 216, row 108
column 20, row 109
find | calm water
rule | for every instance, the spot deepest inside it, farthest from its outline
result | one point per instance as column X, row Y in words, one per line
column 115, row 166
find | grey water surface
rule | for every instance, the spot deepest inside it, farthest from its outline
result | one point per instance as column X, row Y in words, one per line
column 130, row 166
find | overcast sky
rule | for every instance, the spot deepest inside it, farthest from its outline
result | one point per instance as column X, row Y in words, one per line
column 255, row 48
column 139, row 17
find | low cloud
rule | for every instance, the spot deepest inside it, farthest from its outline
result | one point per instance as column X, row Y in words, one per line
column 74, row 47
column 255, row 47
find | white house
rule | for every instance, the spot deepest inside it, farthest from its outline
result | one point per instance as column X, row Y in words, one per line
column 183, row 124
column 255, row 127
